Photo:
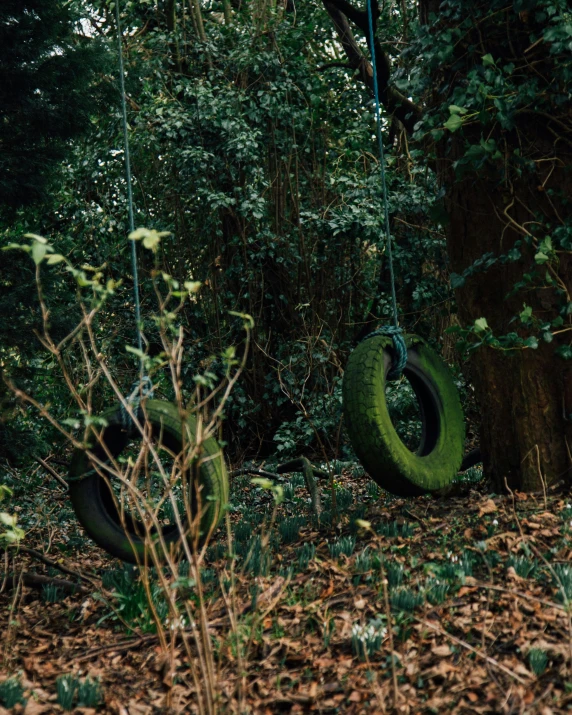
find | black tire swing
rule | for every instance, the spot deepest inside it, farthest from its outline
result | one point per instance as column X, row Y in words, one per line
column 384, row 355
column 98, row 499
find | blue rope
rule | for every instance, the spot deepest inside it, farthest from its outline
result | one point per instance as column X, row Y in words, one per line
column 140, row 389
column 394, row 330
column 143, row 387
column 129, row 182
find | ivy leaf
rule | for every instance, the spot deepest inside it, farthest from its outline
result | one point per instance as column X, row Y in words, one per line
column 531, row 342
column 564, row 351
column 541, row 258
column 457, row 281
column 454, row 109
column 488, row 60
column 481, row 325
column 526, row 314
column 453, row 123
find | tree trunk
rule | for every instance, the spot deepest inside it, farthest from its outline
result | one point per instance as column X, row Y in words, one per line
column 525, row 395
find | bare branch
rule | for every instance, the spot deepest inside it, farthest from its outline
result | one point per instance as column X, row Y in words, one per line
column 396, row 103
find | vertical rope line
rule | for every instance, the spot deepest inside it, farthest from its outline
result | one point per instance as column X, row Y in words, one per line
column 129, row 182
column 382, row 163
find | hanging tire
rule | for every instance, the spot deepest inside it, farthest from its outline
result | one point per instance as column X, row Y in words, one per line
column 376, row 443
column 96, row 503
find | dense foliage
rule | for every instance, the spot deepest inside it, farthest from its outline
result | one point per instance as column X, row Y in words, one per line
column 257, row 153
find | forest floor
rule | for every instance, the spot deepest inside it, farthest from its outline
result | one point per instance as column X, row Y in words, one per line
column 471, row 593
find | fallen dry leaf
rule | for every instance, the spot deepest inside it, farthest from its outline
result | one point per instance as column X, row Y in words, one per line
column 488, row 507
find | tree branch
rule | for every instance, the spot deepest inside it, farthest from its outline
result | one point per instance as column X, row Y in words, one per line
column 396, row 103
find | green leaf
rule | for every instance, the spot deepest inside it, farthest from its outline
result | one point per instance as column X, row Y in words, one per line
column 481, row 325
column 564, row 351
column 81, row 279
column 135, row 351
column 7, row 519
column 39, row 250
column 262, row 482
column 138, row 234
column 526, row 314
column 541, row 258
column 454, row 109
column 453, row 123
column 488, row 60
column 5, row 491
column 151, row 241
column 12, row 246
column 72, row 422
column 55, row 258
column 531, row 342
column 39, row 239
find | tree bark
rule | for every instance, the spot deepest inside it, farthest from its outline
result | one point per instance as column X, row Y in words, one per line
column 525, row 435
column 525, row 395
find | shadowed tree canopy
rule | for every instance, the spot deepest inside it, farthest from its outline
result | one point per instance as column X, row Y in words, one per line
column 47, row 72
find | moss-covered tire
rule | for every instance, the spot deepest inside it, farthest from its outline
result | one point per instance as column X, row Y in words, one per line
column 93, row 501
column 384, row 456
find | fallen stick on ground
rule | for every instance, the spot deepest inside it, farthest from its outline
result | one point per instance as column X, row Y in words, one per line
column 38, row 581
column 468, row 646
column 52, row 472
column 54, row 564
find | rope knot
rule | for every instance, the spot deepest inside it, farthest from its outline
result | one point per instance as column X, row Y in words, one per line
column 140, row 389
column 400, row 349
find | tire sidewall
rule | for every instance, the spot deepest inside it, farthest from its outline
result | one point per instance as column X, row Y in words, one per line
column 88, row 496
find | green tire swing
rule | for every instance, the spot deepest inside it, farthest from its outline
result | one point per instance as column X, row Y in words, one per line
column 385, row 355
column 98, row 499
column 376, row 443
column 99, row 509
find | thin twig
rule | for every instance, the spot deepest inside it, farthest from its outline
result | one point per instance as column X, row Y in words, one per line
column 52, row 472
column 390, row 635
column 468, row 646
column 520, row 594
column 54, row 564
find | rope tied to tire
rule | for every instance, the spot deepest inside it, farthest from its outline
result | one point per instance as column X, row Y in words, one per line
column 141, row 389
column 376, row 442
column 399, row 346
column 395, row 331
column 98, row 492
